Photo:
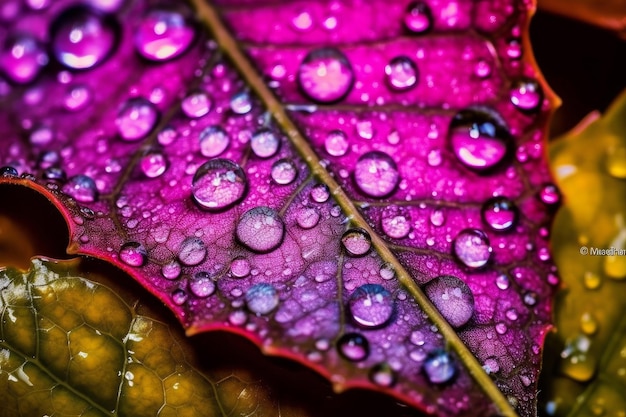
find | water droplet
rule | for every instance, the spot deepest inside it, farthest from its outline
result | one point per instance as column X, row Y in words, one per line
column 82, row 188
column 371, row 306
column 196, row 104
column 264, row 143
column 262, row 298
column 192, row 251
column 401, row 73
column 376, row 174
column 218, row 184
column 382, row 375
column 82, row 39
column 284, row 171
column 396, row 226
column 365, row 129
column 526, row 95
column 591, row 280
column 171, row 270
column 163, row 34
column 479, row 138
column 588, row 324
column 261, row 229
column 105, row 5
column 616, row 162
column 213, row 141
column 325, row 75
column 530, row 298
column 153, row 164
column 550, row 194
column 453, row 298
column 133, row 254
column 54, row 174
column 77, row 98
column 502, row 281
column 320, row 193
column 439, row 367
column 418, row 17
column 48, row 159
column 472, row 248
column 22, row 58
column 482, row 69
column 240, row 267
column 179, row 297
column 353, row 347
column 356, row 242
column 241, row 103
column 501, row 328
column 437, row 217
column 511, row 314
column 491, row 366
column 514, row 49
column 307, row 217
column 500, row 214
column 136, row 119
column 336, row 143
column 202, row 285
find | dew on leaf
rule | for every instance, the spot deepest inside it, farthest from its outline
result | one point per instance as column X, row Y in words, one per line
column 472, row 248
column 82, row 188
column 22, row 58
column 526, row 95
column 356, row 242
column 136, row 119
column 482, row 69
column 376, row 174
column 325, row 75
column 491, row 366
column 213, row 141
column 179, row 297
column 82, row 39
column 353, row 346
column 163, row 34
column 241, row 103
column 530, row 298
column 336, row 143
column 240, row 267
column 320, row 193
column 218, row 184
column 260, row 229
column 396, row 226
column 171, row 270
column 307, row 217
column 383, row 375
column 201, row 284
column 284, row 171
column 8, row 171
column 167, row 136
column 133, row 254
column 196, row 104
column 401, row 73
column 371, row 306
column 365, row 129
column 503, row 281
column 192, row 251
column 513, row 49
column 500, row 214
column 77, row 98
column 479, row 138
column 153, row 164
column 418, row 17
column 262, row 298
column 264, row 143
column 452, row 297
column 437, row 217
column 439, row 367
column 501, row 328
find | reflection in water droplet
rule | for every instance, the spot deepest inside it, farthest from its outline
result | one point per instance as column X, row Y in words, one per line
column 353, row 347
column 192, row 251
column 202, row 285
column 336, row 143
column 472, row 248
column 22, row 57
column 82, row 188
column 307, row 217
column 325, row 75
column 401, row 73
column 262, row 298
column 153, row 164
column 241, row 103
column 526, row 95
column 500, row 214
column 171, row 270
column 196, row 104
column 218, row 184
column 356, row 242
column 439, row 367
column 82, row 39
column 284, row 171
column 264, row 143
column 479, row 138
column 240, row 267
column 261, row 229
column 382, row 375
column 136, row 119
column 371, row 306
column 213, row 141
column 418, row 17
column 376, row 174
column 163, row 34
column 133, row 254
column 320, row 193
column 453, row 298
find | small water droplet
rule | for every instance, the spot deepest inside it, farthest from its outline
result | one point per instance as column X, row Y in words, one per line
column 387, row 272
column 418, row 17
column 262, row 298
column 82, row 39
column 526, row 95
column 171, row 270
column 179, row 297
column 356, row 242
column 136, row 119
column 307, row 217
column 616, row 162
column 353, row 347
column 482, row 69
column 434, row 158
column 261, row 229
column 382, row 375
column 22, row 58
column 48, row 159
column 241, row 103
column 153, row 164
column 439, row 367
column 192, row 251
column 54, row 174
column 502, row 281
column 365, row 129
column 82, row 188
column 491, row 366
column 284, row 171
column 8, row 171
column 453, row 298
column 163, row 34
column 501, row 328
column 325, row 75
column 196, row 104
column 514, row 49
column 472, row 248
column 77, row 98
column 401, row 73
column 167, row 136
column 218, row 184
column 202, row 285
column 588, row 324
column 500, row 214
column 376, row 174
column 591, row 280
column 264, row 143
column 530, row 298
column 371, row 306
column 479, row 138
column 396, row 226
column 320, row 193
column 511, row 314
column 213, row 141
column 133, row 254
column 437, row 217
column 336, row 143
column 240, row 267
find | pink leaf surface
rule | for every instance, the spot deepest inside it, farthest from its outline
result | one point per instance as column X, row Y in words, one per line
column 367, row 195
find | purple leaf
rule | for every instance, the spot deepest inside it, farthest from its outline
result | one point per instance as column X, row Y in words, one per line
column 384, row 220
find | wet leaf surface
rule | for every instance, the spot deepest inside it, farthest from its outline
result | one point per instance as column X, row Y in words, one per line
column 383, row 218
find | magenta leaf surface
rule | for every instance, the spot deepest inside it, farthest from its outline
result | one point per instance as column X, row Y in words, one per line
column 367, row 195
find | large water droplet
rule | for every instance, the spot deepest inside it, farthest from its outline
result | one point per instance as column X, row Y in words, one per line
column 401, row 73
column 479, row 138
column 133, row 254
column 336, row 143
column 213, row 141
column 264, row 143
column 82, row 39
column 284, row 171
column 526, row 95
column 192, row 251
column 325, row 75
column 439, row 367
column 261, row 229
column 356, row 242
column 353, row 347
column 201, row 284
column 262, row 298
column 22, row 58
column 418, row 17
column 371, row 306
column 382, row 375
column 472, row 248
column 163, row 34
column 453, row 298
column 196, row 104
column 136, row 119
column 218, row 184
column 82, row 188
column 376, row 174
column 153, row 164
column 500, row 214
